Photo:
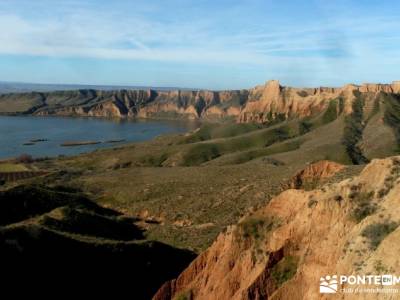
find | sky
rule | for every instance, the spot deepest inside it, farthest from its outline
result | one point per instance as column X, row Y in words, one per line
column 218, row 44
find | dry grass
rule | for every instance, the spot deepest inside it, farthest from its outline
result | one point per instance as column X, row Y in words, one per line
column 148, row 179
column 11, row 167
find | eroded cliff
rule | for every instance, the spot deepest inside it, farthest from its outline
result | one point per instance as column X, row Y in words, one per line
column 282, row 250
column 262, row 104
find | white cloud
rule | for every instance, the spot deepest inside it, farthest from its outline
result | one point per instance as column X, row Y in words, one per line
column 331, row 47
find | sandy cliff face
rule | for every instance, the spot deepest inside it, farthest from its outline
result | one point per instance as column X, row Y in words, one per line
column 266, row 102
column 282, row 250
column 314, row 173
column 146, row 104
column 261, row 104
column 272, row 99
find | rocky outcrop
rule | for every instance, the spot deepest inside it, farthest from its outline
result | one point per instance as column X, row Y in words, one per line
column 282, row 250
column 267, row 102
column 262, row 104
column 314, row 173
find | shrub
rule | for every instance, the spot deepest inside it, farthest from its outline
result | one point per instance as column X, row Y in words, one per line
column 353, row 132
column 257, row 226
column 201, row 153
column 338, row 198
column 204, row 133
column 311, row 203
column 187, row 295
column 390, row 179
column 331, row 112
column 305, row 126
column 363, row 205
column 284, row 270
column 279, row 134
column 154, row 160
column 383, row 192
column 302, row 93
column 380, row 268
column 252, row 227
column 377, row 232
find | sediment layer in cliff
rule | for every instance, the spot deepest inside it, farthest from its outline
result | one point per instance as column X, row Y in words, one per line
column 262, row 104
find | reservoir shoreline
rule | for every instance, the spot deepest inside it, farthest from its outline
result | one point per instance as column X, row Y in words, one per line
column 65, row 135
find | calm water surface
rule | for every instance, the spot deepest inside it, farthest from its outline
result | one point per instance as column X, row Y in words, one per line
column 15, row 131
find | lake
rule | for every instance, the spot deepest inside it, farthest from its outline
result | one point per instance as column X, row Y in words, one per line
column 20, row 130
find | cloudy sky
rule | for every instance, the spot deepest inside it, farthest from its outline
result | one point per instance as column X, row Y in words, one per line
column 216, row 44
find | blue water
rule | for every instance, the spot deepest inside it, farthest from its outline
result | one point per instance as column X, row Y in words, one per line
column 15, row 131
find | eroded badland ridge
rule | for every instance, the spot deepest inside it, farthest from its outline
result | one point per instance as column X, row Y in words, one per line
column 263, row 104
column 281, row 250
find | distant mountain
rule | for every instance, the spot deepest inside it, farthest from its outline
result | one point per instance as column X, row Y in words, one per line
column 265, row 104
column 20, row 87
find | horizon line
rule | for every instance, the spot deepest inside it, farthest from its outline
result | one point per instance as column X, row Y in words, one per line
column 150, row 87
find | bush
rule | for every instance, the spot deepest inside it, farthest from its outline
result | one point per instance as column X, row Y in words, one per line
column 256, row 226
column 302, row 93
column 353, row 132
column 363, row 205
column 204, row 133
column 275, row 118
column 24, row 159
column 187, row 295
column 311, row 203
column 377, row 232
column 201, row 153
column 338, row 198
column 284, row 270
column 252, row 226
column 331, row 112
column 305, row 126
column 154, row 160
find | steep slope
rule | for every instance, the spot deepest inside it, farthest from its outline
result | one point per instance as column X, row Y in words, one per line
column 127, row 103
column 282, row 250
column 263, row 104
column 271, row 101
column 64, row 237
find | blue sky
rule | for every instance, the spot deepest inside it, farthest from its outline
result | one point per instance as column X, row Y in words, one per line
column 200, row 44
